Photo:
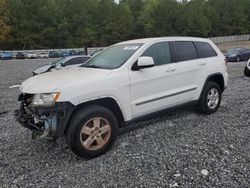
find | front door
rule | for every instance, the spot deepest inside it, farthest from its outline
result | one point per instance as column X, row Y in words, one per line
column 154, row 88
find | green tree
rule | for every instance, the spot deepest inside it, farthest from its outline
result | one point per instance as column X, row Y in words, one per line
column 227, row 17
column 159, row 17
column 4, row 28
column 29, row 24
column 192, row 20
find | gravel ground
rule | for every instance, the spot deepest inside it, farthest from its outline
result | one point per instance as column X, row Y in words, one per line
column 179, row 148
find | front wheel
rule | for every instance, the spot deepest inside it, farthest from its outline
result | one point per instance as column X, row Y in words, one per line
column 210, row 98
column 92, row 131
column 238, row 59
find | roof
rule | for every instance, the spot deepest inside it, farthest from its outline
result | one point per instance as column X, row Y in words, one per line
column 148, row 40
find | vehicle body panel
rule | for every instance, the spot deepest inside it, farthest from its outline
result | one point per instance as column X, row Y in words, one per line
column 51, row 67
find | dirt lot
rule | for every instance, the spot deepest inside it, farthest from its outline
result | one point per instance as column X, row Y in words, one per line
column 225, row 46
column 180, row 148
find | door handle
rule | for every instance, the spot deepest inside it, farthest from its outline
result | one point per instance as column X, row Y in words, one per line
column 202, row 64
column 171, row 70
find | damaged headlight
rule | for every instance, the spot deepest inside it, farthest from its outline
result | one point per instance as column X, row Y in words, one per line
column 45, row 99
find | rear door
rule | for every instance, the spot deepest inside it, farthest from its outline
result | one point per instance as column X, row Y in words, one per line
column 154, row 88
column 188, row 68
column 194, row 60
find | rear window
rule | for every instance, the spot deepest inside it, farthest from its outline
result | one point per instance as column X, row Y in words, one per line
column 205, row 50
column 184, row 51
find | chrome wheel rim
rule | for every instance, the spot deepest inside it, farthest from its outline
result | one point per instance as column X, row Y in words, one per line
column 95, row 133
column 213, row 98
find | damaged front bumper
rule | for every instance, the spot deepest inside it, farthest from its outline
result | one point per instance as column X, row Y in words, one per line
column 48, row 122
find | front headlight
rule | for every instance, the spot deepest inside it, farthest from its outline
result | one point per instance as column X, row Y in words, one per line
column 45, row 99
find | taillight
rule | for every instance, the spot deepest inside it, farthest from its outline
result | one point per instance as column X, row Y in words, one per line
column 225, row 61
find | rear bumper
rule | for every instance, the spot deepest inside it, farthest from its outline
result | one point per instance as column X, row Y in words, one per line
column 47, row 121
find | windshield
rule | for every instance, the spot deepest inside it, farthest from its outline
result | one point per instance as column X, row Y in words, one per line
column 112, row 57
column 233, row 50
column 58, row 62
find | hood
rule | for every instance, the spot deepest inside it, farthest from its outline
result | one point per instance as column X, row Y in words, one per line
column 54, row 81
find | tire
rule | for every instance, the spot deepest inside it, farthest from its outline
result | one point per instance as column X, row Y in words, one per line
column 238, row 59
column 247, row 72
column 215, row 99
column 91, row 141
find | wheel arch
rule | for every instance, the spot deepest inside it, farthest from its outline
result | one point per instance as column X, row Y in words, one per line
column 107, row 102
column 217, row 78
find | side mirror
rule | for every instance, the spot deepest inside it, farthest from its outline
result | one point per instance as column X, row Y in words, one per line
column 63, row 65
column 143, row 62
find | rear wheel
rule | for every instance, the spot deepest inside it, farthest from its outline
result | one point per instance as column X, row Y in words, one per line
column 92, row 131
column 247, row 72
column 210, row 98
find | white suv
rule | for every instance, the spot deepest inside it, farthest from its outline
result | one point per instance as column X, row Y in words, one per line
column 247, row 69
column 124, row 82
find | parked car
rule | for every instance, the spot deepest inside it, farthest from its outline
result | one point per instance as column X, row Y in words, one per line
column 61, row 63
column 64, row 54
column 237, row 54
column 247, row 69
column 20, row 55
column 44, row 55
column 245, row 55
column 31, row 55
column 53, row 54
column 74, row 52
column 6, row 56
column 124, row 82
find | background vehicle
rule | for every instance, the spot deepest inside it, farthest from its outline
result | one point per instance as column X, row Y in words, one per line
column 44, row 55
column 53, row 54
column 31, row 55
column 237, row 54
column 245, row 55
column 122, row 83
column 6, row 56
column 61, row 63
column 247, row 69
column 64, row 54
column 74, row 52
column 20, row 55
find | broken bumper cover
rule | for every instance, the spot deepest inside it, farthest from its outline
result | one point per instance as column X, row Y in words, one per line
column 51, row 121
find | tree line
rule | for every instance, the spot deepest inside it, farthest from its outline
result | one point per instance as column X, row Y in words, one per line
column 41, row 24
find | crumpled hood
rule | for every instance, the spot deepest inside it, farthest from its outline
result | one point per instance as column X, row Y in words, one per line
column 53, row 81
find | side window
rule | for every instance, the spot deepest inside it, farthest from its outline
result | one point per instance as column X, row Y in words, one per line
column 83, row 59
column 205, row 50
column 73, row 61
column 184, row 51
column 160, row 52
